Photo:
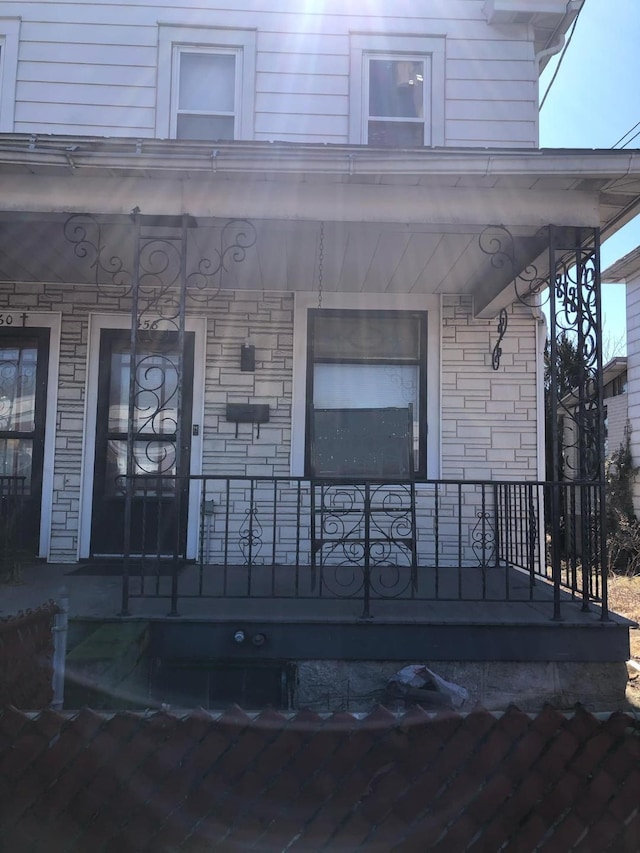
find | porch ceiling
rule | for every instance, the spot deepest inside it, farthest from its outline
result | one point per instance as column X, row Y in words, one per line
column 400, row 222
column 358, row 257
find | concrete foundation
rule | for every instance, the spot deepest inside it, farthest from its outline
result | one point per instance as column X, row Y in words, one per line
column 358, row 686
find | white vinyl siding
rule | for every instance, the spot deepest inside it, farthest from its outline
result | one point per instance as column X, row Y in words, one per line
column 99, row 67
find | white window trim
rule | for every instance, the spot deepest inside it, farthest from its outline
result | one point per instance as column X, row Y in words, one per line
column 363, row 301
column 9, row 41
column 171, row 39
column 364, row 46
column 98, row 322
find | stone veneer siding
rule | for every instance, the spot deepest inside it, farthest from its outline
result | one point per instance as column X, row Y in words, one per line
column 488, row 417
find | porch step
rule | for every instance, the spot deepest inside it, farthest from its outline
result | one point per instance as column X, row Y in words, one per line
column 108, row 668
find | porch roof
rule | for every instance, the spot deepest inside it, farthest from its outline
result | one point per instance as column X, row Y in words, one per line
column 625, row 268
column 395, row 220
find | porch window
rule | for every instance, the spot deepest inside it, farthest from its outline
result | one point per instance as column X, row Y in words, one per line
column 206, row 104
column 396, row 99
column 366, row 400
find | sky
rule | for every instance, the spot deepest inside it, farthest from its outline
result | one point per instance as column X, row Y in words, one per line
column 593, row 102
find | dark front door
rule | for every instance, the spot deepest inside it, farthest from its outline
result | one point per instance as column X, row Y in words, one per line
column 159, row 506
column 24, row 362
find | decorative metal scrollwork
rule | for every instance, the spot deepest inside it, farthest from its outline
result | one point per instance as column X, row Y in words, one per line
column 496, row 355
column 85, row 233
column 250, row 535
column 575, row 317
column 483, row 538
column 162, row 260
column 236, row 237
column 365, row 535
column 498, row 243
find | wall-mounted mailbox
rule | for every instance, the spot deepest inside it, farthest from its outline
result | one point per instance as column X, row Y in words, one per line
column 248, row 413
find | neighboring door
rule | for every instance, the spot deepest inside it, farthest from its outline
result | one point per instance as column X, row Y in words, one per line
column 159, row 506
column 24, row 363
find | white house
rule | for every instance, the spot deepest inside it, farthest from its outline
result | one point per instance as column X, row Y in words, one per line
column 616, row 415
column 328, row 228
column 627, row 270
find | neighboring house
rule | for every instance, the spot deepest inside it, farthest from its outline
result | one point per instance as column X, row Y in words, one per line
column 329, row 230
column 616, row 416
column 627, row 270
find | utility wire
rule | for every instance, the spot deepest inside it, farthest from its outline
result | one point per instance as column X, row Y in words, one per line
column 564, row 50
column 635, row 135
column 631, row 129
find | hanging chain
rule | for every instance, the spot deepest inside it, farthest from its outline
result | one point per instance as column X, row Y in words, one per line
column 320, row 265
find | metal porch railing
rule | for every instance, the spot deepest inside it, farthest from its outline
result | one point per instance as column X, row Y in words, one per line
column 14, row 546
column 438, row 540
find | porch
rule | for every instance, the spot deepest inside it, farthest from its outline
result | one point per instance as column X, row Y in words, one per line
column 313, row 588
column 295, row 549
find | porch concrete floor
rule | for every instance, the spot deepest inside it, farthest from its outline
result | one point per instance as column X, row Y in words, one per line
column 99, row 597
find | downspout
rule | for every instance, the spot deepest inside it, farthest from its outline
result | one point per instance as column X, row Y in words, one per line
column 552, row 49
column 541, row 332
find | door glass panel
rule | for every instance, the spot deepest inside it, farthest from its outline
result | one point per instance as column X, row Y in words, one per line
column 15, row 461
column 150, row 457
column 156, row 392
column 18, row 365
column 23, row 387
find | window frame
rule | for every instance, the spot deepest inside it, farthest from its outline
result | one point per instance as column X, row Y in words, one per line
column 420, row 361
column 179, row 50
column 365, row 47
column 9, row 42
column 368, row 57
column 428, row 303
column 173, row 41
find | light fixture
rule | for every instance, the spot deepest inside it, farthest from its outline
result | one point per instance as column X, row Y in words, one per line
column 247, row 357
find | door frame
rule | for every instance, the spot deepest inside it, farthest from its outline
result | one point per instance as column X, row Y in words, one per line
column 98, row 322
column 26, row 319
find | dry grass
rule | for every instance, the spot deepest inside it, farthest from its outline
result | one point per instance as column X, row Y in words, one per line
column 624, row 598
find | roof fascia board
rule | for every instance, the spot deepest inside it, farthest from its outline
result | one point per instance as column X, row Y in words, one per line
column 625, row 269
column 346, row 202
column 348, row 161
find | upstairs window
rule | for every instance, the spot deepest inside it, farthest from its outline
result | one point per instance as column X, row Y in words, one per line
column 396, row 90
column 396, row 95
column 206, row 83
column 9, row 40
column 206, row 93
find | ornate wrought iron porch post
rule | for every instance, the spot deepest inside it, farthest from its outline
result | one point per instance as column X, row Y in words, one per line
column 129, row 485
column 575, row 311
